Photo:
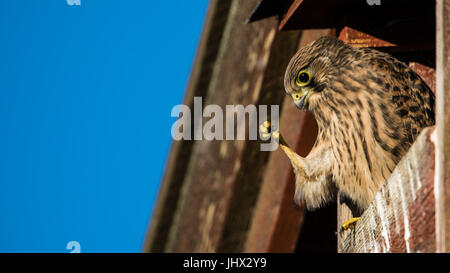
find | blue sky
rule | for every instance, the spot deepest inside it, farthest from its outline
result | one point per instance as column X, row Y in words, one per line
column 86, row 94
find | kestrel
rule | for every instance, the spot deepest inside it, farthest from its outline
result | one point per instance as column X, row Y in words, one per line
column 369, row 108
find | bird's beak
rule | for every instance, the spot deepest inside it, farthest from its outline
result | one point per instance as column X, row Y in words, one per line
column 300, row 99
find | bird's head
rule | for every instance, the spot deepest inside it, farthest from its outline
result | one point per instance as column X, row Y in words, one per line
column 308, row 73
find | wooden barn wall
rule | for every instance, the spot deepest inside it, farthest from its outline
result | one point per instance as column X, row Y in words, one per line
column 227, row 196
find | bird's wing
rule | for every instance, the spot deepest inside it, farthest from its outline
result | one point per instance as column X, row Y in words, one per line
column 412, row 97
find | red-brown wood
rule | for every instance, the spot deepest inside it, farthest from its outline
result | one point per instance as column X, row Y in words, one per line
column 289, row 13
column 357, row 38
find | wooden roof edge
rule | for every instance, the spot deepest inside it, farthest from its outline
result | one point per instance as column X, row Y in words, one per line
column 163, row 211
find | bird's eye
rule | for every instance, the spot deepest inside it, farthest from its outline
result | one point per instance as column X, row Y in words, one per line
column 303, row 78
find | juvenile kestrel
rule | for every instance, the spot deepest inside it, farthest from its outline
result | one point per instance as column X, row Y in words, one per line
column 369, row 108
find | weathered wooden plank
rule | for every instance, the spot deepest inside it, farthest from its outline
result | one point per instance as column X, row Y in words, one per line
column 180, row 151
column 252, row 172
column 357, row 38
column 443, row 125
column 401, row 217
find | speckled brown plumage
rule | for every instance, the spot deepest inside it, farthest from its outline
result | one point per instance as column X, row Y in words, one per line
column 369, row 107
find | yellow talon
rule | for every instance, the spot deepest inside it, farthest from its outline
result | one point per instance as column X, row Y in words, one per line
column 266, row 131
column 276, row 135
column 263, row 129
column 350, row 224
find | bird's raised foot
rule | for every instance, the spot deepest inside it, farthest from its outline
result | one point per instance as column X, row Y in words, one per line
column 350, row 224
column 267, row 132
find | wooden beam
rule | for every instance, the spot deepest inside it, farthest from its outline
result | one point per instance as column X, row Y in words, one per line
column 289, row 14
column 402, row 215
column 443, row 125
column 254, row 165
column 357, row 38
column 181, row 151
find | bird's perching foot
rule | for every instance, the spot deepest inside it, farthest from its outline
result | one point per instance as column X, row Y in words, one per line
column 350, row 224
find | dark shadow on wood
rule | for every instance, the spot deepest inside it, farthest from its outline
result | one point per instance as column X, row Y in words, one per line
column 318, row 233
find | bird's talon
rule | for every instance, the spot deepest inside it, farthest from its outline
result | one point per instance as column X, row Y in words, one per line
column 266, row 131
column 263, row 129
column 350, row 224
column 276, row 135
